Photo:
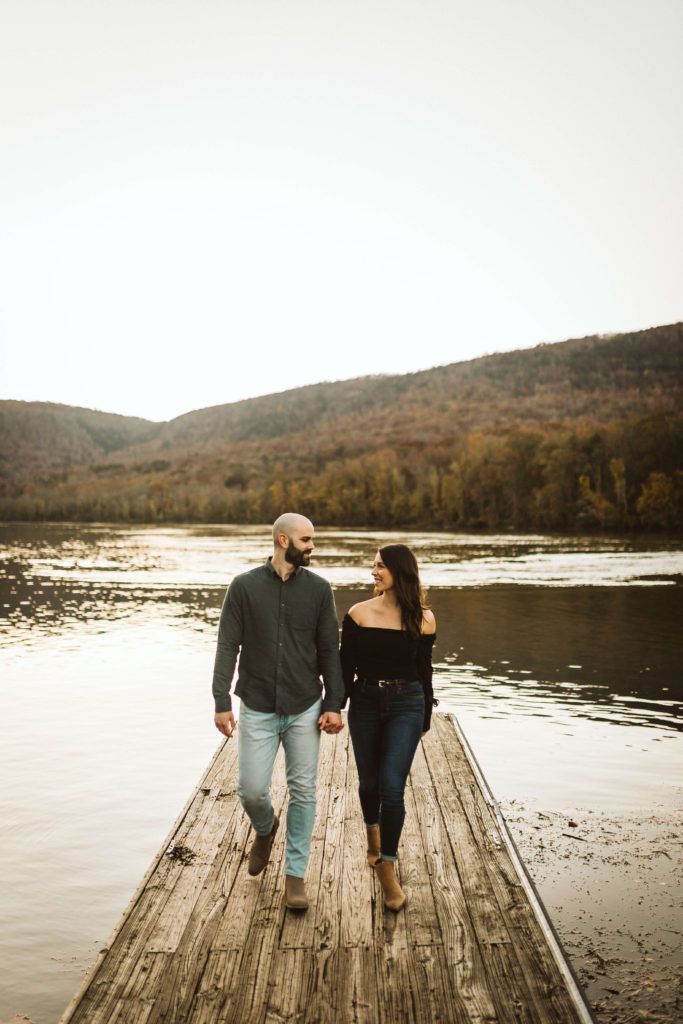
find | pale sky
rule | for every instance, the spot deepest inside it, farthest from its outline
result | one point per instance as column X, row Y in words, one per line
column 205, row 201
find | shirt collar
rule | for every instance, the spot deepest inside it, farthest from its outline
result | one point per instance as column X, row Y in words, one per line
column 269, row 567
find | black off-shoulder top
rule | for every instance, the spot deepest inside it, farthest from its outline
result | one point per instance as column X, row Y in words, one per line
column 374, row 652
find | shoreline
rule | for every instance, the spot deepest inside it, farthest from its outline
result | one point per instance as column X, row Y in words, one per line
column 627, row 946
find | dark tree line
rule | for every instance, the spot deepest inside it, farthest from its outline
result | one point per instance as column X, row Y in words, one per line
column 626, row 474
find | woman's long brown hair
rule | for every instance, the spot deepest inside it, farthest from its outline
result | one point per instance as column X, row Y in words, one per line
column 402, row 564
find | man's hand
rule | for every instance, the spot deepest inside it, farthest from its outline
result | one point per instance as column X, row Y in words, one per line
column 330, row 722
column 225, row 722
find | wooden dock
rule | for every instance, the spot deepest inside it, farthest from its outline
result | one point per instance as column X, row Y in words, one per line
column 204, row 943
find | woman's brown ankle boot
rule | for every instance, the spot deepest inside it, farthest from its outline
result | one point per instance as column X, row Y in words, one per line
column 394, row 897
column 373, row 844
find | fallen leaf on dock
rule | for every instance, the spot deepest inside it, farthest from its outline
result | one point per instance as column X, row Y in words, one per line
column 182, row 853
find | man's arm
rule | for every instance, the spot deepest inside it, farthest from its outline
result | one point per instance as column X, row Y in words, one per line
column 227, row 649
column 327, row 646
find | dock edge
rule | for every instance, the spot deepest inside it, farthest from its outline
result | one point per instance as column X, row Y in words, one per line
column 573, row 985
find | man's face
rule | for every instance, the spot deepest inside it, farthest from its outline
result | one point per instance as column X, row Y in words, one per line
column 300, row 548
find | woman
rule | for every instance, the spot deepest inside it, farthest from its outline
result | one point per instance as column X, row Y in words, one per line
column 386, row 656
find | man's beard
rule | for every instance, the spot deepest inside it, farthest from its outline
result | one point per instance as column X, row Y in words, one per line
column 296, row 557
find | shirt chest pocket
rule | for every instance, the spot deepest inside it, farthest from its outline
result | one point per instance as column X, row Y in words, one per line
column 301, row 621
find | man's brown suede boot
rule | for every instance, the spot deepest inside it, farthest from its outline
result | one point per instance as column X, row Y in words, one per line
column 259, row 854
column 394, row 897
column 295, row 893
column 373, row 844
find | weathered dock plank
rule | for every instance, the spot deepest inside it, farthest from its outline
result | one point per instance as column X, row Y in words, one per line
column 204, row 943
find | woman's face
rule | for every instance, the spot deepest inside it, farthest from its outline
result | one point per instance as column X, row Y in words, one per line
column 381, row 575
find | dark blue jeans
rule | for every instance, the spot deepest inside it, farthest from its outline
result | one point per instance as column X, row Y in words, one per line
column 385, row 725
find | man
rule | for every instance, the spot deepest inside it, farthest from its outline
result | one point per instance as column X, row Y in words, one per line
column 282, row 620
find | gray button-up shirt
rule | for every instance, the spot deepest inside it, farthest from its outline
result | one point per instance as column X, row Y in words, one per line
column 287, row 637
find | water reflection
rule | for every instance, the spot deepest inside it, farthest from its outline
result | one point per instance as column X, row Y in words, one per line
column 606, row 654
column 34, row 607
column 546, row 648
column 190, row 556
column 520, row 632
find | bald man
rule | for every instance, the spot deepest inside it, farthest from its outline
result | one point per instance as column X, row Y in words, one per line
column 281, row 620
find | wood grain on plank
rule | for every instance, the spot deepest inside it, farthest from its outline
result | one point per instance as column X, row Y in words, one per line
column 202, row 942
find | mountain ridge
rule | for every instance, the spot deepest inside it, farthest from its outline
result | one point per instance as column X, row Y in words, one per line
column 238, row 461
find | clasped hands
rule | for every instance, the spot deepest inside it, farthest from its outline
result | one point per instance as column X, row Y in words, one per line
column 330, row 722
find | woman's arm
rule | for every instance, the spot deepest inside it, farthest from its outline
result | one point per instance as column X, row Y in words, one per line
column 424, row 671
column 347, row 654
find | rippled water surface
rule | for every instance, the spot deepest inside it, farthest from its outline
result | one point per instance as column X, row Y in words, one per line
column 560, row 656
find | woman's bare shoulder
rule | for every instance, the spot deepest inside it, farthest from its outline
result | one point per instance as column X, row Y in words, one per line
column 428, row 621
column 362, row 612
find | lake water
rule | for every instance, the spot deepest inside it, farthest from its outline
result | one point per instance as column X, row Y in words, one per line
column 561, row 658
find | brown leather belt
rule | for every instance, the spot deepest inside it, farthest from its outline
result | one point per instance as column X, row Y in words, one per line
column 387, row 682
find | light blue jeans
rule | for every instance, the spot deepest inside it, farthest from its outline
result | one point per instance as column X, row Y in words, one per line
column 259, row 736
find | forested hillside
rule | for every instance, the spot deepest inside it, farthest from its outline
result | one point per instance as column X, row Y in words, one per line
column 576, row 435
